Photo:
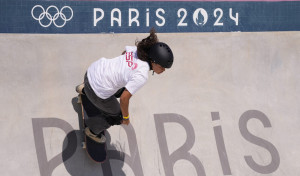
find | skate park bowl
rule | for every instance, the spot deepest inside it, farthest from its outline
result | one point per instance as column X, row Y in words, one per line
column 228, row 106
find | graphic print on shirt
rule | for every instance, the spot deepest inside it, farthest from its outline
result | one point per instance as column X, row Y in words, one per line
column 129, row 60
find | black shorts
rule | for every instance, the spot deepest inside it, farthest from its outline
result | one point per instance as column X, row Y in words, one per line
column 109, row 110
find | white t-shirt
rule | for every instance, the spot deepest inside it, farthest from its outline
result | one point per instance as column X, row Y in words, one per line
column 107, row 76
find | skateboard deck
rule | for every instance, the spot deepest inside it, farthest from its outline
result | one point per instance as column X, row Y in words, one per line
column 96, row 151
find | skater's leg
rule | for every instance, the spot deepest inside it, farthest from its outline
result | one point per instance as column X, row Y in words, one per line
column 109, row 106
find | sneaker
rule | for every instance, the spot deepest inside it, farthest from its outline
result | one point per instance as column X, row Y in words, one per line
column 79, row 88
column 94, row 137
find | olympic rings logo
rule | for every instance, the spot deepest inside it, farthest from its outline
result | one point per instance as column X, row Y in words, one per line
column 52, row 19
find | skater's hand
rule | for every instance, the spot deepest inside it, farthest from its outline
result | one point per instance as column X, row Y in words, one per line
column 126, row 122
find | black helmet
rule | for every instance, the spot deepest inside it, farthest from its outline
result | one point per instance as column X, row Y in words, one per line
column 160, row 53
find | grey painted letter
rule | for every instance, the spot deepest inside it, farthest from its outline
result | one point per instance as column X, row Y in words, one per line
column 48, row 165
column 221, row 145
column 275, row 159
column 133, row 160
column 182, row 152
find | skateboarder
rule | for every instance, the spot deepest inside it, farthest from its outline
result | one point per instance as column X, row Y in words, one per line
column 121, row 77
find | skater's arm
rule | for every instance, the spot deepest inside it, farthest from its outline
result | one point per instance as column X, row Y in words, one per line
column 124, row 103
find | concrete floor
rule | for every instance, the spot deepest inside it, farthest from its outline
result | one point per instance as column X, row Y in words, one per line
column 228, row 106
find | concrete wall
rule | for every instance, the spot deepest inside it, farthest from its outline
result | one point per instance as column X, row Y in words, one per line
column 228, row 106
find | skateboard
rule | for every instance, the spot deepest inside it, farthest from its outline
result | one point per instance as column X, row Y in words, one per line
column 96, row 151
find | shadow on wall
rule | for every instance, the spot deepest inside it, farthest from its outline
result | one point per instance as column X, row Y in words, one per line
column 75, row 159
column 79, row 163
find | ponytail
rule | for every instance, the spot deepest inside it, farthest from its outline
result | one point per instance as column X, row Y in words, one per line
column 144, row 45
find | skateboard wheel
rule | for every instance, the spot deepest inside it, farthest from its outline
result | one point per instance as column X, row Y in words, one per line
column 83, row 145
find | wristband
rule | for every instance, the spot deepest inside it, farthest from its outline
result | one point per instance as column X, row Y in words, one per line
column 126, row 118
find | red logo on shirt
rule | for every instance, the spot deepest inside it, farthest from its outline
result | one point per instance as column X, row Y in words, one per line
column 129, row 60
